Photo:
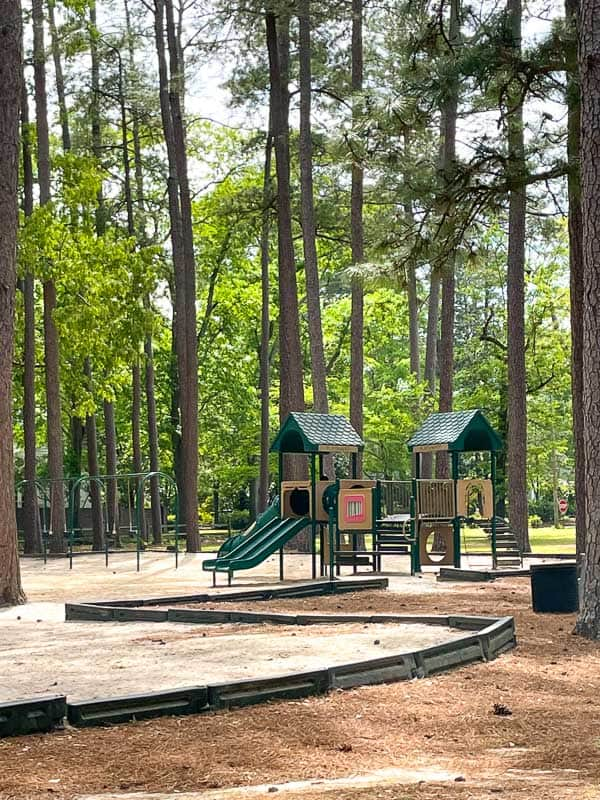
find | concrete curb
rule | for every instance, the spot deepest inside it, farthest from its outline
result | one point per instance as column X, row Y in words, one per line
column 38, row 715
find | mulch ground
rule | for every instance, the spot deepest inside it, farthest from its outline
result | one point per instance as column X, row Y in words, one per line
column 526, row 725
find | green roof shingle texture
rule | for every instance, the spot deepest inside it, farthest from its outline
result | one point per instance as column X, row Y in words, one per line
column 317, row 431
column 460, row 430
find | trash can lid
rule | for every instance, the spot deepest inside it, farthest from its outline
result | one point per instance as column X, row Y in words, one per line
column 554, row 565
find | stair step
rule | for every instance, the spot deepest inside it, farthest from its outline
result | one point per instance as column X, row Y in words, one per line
column 392, row 540
column 506, row 560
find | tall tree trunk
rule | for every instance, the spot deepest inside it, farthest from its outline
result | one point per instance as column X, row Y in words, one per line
column 74, row 464
column 517, row 376
column 413, row 320
column 265, row 327
column 51, row 340
column 307, row 213
column 576, row 268
column 109, row 416
column 291, row 383
column 433, row 317
column 357, row 238
column 189, row 382
column 135, row 135
column 136, row 433
column 95, row 120
column 112, row 494
column 31, row 514
column 410, row 277
column 446, row 355
column 291, row 373
column 98, row 541
column 139, row 226
column 10, row 107
column 184, row 269
column 153, row 442
column 59, row 79
column 588, row 622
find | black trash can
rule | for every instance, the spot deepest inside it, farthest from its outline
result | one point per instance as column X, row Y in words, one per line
column 554, row 588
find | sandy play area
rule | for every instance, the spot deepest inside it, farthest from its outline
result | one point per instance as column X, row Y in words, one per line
column 41, row 655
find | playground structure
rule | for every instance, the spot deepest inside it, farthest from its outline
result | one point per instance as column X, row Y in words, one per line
column 349, row 522
column 399, row 517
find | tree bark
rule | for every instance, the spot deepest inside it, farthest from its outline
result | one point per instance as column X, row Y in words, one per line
column 307, row 213
column 291, row 384
column 31, row 514
column 517, row 377
column 59, row 79
column 588, row 621
column 153, row 442
column 112, row 491
column 184, row 267
column 446, row 355
column 410, row 277
column 98, row 541
column 357, row 239
column 433, row 317
column 265, row 327
column 51, row 340
column 136, row 433
column 576, row 268
column 11, row 78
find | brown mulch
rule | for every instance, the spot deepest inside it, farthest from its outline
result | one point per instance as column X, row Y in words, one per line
column 546, row 695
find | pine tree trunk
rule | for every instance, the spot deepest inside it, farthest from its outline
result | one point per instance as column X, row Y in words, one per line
column 433, row 316
column 11, row 55
column 93, row 470
column 112, row 490
column 59, row 79
column 153, row 442
column 517, row 377
column 291, row 383
column 51, row 340
column 74, row 463
column 446, row 354
column 413, row 321
column 31, row 514
column 357, row 240
column 136, row 437
column 588, row 622
column 307, row 213
column 184, row 268
column 576, row 269
column 410, row 278
column 189, row 382
column 265, row 328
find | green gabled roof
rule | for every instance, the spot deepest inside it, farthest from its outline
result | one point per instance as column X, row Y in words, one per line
column 461, row 431
column 316, row 433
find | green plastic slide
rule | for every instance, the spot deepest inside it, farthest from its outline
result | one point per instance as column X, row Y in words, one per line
column 257, row 545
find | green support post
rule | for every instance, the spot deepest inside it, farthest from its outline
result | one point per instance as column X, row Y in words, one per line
column 313, row 527
column 376, row 515
column 456, row 521
column 493, row 477
column 415, row 556
column 414, row 521
column 331, row 534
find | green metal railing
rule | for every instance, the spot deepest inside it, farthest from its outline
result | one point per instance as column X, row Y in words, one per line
column 71, row 493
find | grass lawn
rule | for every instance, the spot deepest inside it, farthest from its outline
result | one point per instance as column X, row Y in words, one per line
column 543, row 540
column 552, row 540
